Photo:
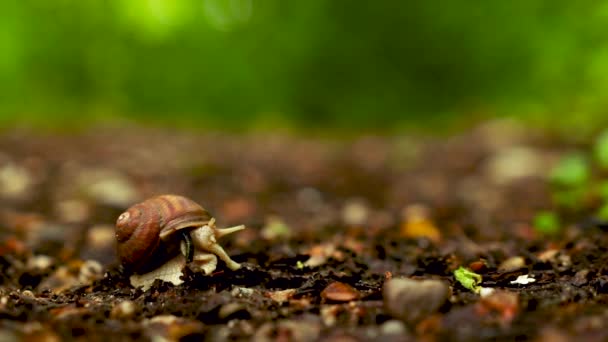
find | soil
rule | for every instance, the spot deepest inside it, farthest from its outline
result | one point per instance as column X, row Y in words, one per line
column 329, row 222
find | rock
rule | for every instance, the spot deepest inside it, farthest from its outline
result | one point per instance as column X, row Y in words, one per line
column 505, row 303
column 15, row 181
column 412, row 300
column 355, row 213
column 100, row 244
column 512, row 264
column 393, row 327
column 282, row 295
column 73, row 211
column 172, row 328
column 108, row 187
column 417, row 223
column 301, row 330
column 90, row 271
column 40, row 262
column 123, row 310
column 339, row 292
column 514, row 163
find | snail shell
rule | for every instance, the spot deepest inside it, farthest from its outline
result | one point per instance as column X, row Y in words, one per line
column 146, row 232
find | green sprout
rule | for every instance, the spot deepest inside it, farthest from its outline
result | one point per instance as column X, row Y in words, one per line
column 546, row 222
column 570, row 181
column 602, row 212
column 571, row 171
column 299, row 265
column 469, row 279
column 600, row 150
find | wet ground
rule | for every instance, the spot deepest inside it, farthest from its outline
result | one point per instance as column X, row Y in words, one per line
column 333, row 228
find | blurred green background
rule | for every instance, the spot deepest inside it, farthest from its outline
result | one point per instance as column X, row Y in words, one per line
column 344, row 65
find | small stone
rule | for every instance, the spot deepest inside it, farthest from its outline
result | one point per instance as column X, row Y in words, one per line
column 329, row 314
column 581, row 277
column 73, row 211
column 512, row 264
column 39, row 262
column 412, row 300
column 281, row 296
column 101, row 237
column 60, row 280
column 503, row 302
column 355, row 213
column 417, row 223
column 514, row 163
column 319, row 254
column 548, row 255
column 123, row 310
column 100, row 244
column 90, row 271
column 108, row 187
column 15, row 181
column 240, row 292
column 171, row 328
column 310, row 199
column 339, row 292
column 393, row 327
column 28, row 293
column 230, row 309
column 289, row 330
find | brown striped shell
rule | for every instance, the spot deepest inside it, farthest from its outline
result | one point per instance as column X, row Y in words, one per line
column 146, row 233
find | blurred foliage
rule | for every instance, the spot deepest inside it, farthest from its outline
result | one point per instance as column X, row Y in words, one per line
column 547, row 222
column 314, row 63
column 579, row 183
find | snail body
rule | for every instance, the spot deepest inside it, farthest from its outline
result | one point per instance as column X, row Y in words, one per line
column 155, row 231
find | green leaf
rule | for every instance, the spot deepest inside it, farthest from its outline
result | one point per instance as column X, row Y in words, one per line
column 468, row 279
column 602, row 212
column 600, row 150
column 547, row 222
column 571, row 171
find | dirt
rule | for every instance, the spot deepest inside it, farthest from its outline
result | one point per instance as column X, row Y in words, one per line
column 329, row 222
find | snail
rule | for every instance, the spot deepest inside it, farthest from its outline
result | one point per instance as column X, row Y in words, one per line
column 157, row 237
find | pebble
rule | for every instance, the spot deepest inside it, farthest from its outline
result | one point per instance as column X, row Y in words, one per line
column 171, row 328
column 73, row 211
column 100, row 244
column 108, row 186
column 39, row 262
column 393, row 327
column 514, row 163
column 90, row 271
column 123, row 310
column 581, row 277
column 230, row 309
column 15, row 181
column 310, row 199
column 417, row 223
column 340, row 292
column 512, row 264
column 282, row 295
column 240, row 292
column 355, row 213
column 412, row 300
column 301, row 330
column 505, row 303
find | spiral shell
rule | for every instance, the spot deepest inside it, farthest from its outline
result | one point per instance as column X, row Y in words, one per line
column 145, row 233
